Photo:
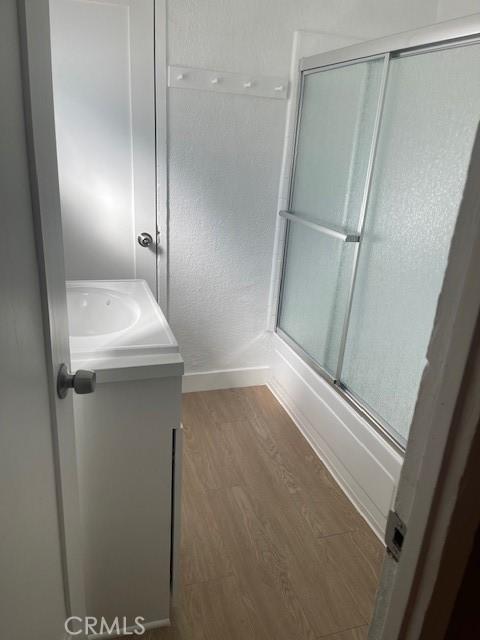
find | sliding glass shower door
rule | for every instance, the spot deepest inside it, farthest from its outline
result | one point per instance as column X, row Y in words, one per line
column 382, row 152
column 335, row 134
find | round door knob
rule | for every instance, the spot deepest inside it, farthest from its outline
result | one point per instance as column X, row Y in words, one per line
column 82, row 381
column 144, row 239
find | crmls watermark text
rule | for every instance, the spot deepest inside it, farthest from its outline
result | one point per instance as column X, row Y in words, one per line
column 90, row 625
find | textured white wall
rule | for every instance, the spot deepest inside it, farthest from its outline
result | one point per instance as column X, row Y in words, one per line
column 224, row 162
column 448, row 9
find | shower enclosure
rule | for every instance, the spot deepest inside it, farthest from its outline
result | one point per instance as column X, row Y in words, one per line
column 383, row 139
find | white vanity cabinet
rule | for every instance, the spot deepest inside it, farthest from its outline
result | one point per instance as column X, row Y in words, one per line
column 128, row 437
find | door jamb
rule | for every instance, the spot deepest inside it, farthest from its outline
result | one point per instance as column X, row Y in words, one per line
column 161, row 154
column 456, row 513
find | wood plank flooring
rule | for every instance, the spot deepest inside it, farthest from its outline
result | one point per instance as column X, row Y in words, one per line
column 271, row 547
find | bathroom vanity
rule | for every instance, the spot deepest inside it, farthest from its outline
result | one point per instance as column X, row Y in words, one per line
column 129, row 439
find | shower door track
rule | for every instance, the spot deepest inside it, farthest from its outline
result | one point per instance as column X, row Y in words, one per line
column 453, row 33
column 457, row 32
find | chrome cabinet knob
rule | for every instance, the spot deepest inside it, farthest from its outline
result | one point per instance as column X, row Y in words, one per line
column 83, row 381
column 144, row 239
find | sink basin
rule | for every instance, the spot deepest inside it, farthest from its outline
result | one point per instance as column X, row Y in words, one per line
column 110, row 320
column 98, row 312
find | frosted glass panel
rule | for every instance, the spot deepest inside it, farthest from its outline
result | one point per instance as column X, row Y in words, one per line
column 338, row 114
column 315, row 293
column 432, row 109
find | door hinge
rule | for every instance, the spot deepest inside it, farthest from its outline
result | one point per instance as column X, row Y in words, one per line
column 395, row 535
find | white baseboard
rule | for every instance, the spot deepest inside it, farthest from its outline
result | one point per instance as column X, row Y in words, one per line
column 365, row 466
column 226, row 379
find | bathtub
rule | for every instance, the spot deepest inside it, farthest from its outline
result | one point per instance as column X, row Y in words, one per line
column 128, row 439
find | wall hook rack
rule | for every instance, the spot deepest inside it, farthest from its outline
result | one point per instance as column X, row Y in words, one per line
column 227, row 82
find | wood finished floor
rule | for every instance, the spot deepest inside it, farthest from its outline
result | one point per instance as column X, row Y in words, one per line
column 271, row 547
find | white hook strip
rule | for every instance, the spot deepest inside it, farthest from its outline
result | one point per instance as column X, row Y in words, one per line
column 226, row 82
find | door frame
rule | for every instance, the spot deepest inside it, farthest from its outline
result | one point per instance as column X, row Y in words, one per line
column 161, row 154
column 34, row 25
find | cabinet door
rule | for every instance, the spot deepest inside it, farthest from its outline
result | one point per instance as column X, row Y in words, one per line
column 124, row 441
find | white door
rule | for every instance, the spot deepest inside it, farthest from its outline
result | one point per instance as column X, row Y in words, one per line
column 104, row 96
column 40, row 552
